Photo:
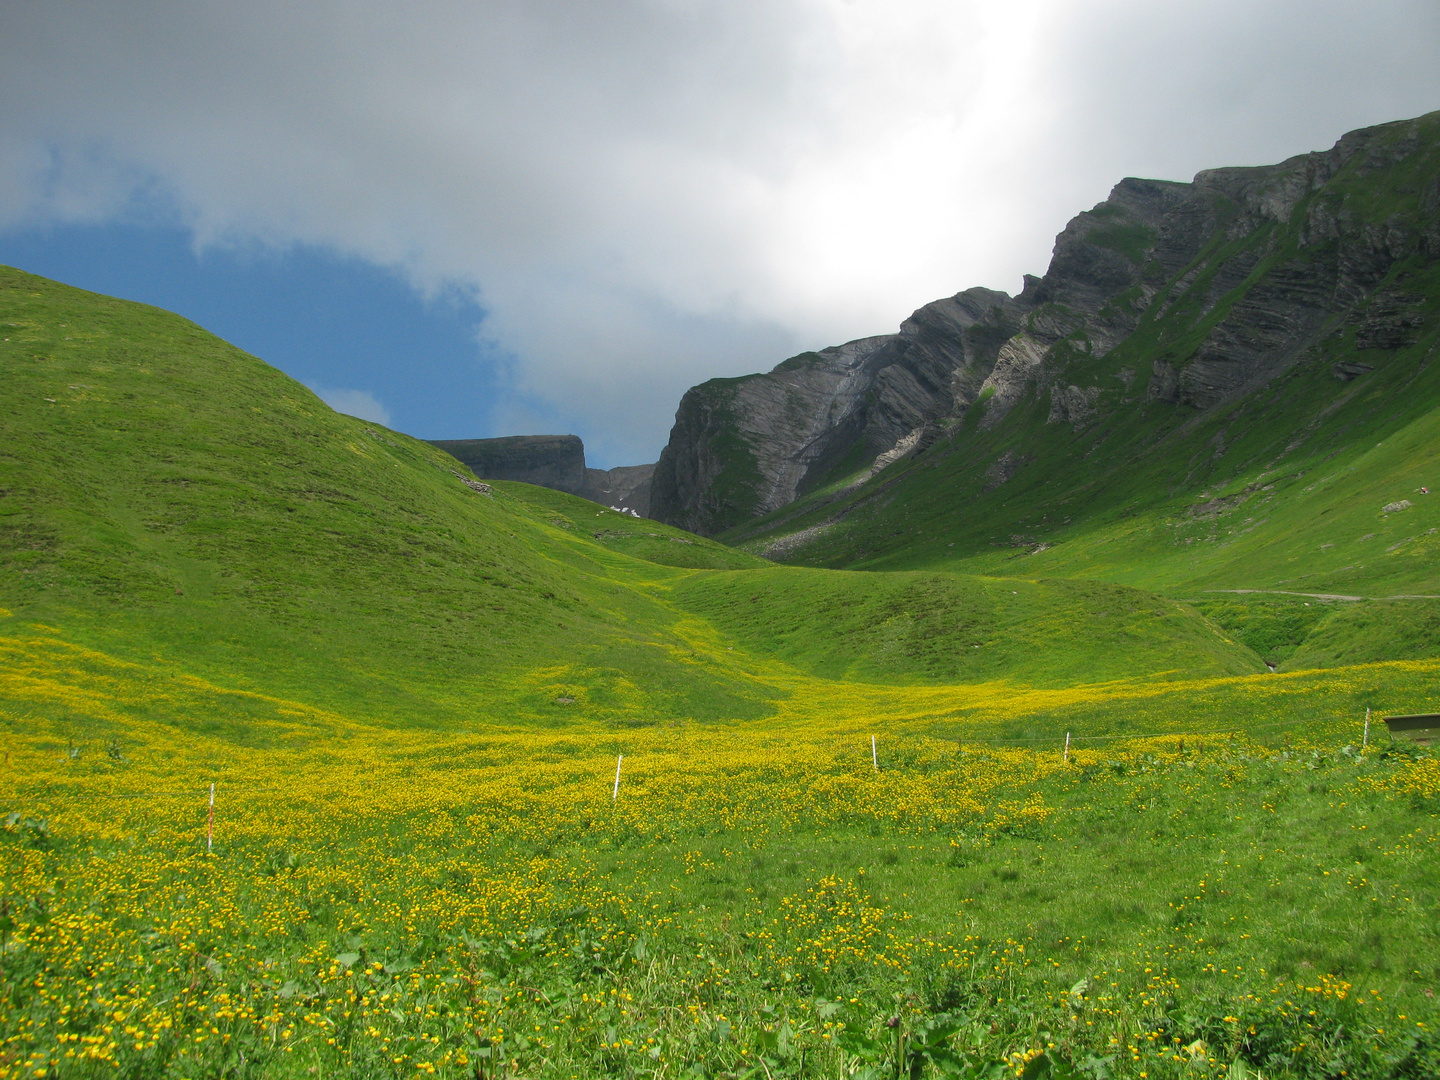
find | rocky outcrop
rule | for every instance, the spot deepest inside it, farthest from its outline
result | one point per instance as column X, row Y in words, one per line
column 626, row 487
column 553, row 461
column 743, row 447
column 1011, row 376
column 1391, row 321
column 1247, row 270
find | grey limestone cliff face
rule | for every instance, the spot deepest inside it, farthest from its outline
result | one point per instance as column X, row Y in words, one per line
column 553, row 461
column 743, row 447
column 1259, row 264
column 625, row 487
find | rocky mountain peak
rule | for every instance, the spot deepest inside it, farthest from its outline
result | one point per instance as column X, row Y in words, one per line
column 1248, row 268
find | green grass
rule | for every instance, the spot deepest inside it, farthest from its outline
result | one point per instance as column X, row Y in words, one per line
column 1179, row 907
column 166, row 495
column 944, row 628
column 1273, row 626
column 1362, row 633
column 164, row 492
column 639, row 538
column 1132, row 241
column 1221, row 878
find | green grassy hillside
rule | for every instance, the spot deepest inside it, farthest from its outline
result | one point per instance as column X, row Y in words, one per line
column 167, row 496
column 946, row 628
column 164, row 493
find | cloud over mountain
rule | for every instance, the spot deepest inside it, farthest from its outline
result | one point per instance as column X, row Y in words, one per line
column 644, row 194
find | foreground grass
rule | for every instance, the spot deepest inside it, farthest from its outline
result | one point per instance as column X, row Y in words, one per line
column 392, row 903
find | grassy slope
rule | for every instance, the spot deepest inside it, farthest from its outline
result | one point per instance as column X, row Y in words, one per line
column 172, row 501
column 165, row 493
column 936, row 627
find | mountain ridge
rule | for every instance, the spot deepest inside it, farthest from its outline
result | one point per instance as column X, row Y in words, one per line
column 1215, row 289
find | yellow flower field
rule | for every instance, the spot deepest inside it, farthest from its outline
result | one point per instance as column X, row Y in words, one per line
column 753, row 901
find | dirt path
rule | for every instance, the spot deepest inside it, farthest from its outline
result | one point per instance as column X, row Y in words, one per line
column 1327, row 596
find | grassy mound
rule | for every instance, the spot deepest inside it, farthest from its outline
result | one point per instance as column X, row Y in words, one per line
column 946, row 628
column 166, row 493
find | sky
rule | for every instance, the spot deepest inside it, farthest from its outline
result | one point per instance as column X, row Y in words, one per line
column 469, row 218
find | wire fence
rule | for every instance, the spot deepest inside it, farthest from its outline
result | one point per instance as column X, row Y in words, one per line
column 1069, row 741
column 1233, row 730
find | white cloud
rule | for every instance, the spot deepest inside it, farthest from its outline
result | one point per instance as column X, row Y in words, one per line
column 650, row 192
column 360, row 404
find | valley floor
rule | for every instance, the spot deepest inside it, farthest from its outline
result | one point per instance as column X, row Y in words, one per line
column 755, row 900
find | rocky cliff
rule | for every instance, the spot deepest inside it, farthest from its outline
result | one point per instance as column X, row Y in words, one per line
column 1216, row 287
column 553, row 461
column 625, row 487
column 743, row 447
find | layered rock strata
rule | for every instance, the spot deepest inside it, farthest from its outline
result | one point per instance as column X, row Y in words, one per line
column 553, row 461
column 1257, row 265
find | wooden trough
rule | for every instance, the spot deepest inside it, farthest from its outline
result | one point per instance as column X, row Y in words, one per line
column 1423, row 728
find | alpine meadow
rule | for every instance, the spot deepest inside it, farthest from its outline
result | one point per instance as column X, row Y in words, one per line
column 1033, row 730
